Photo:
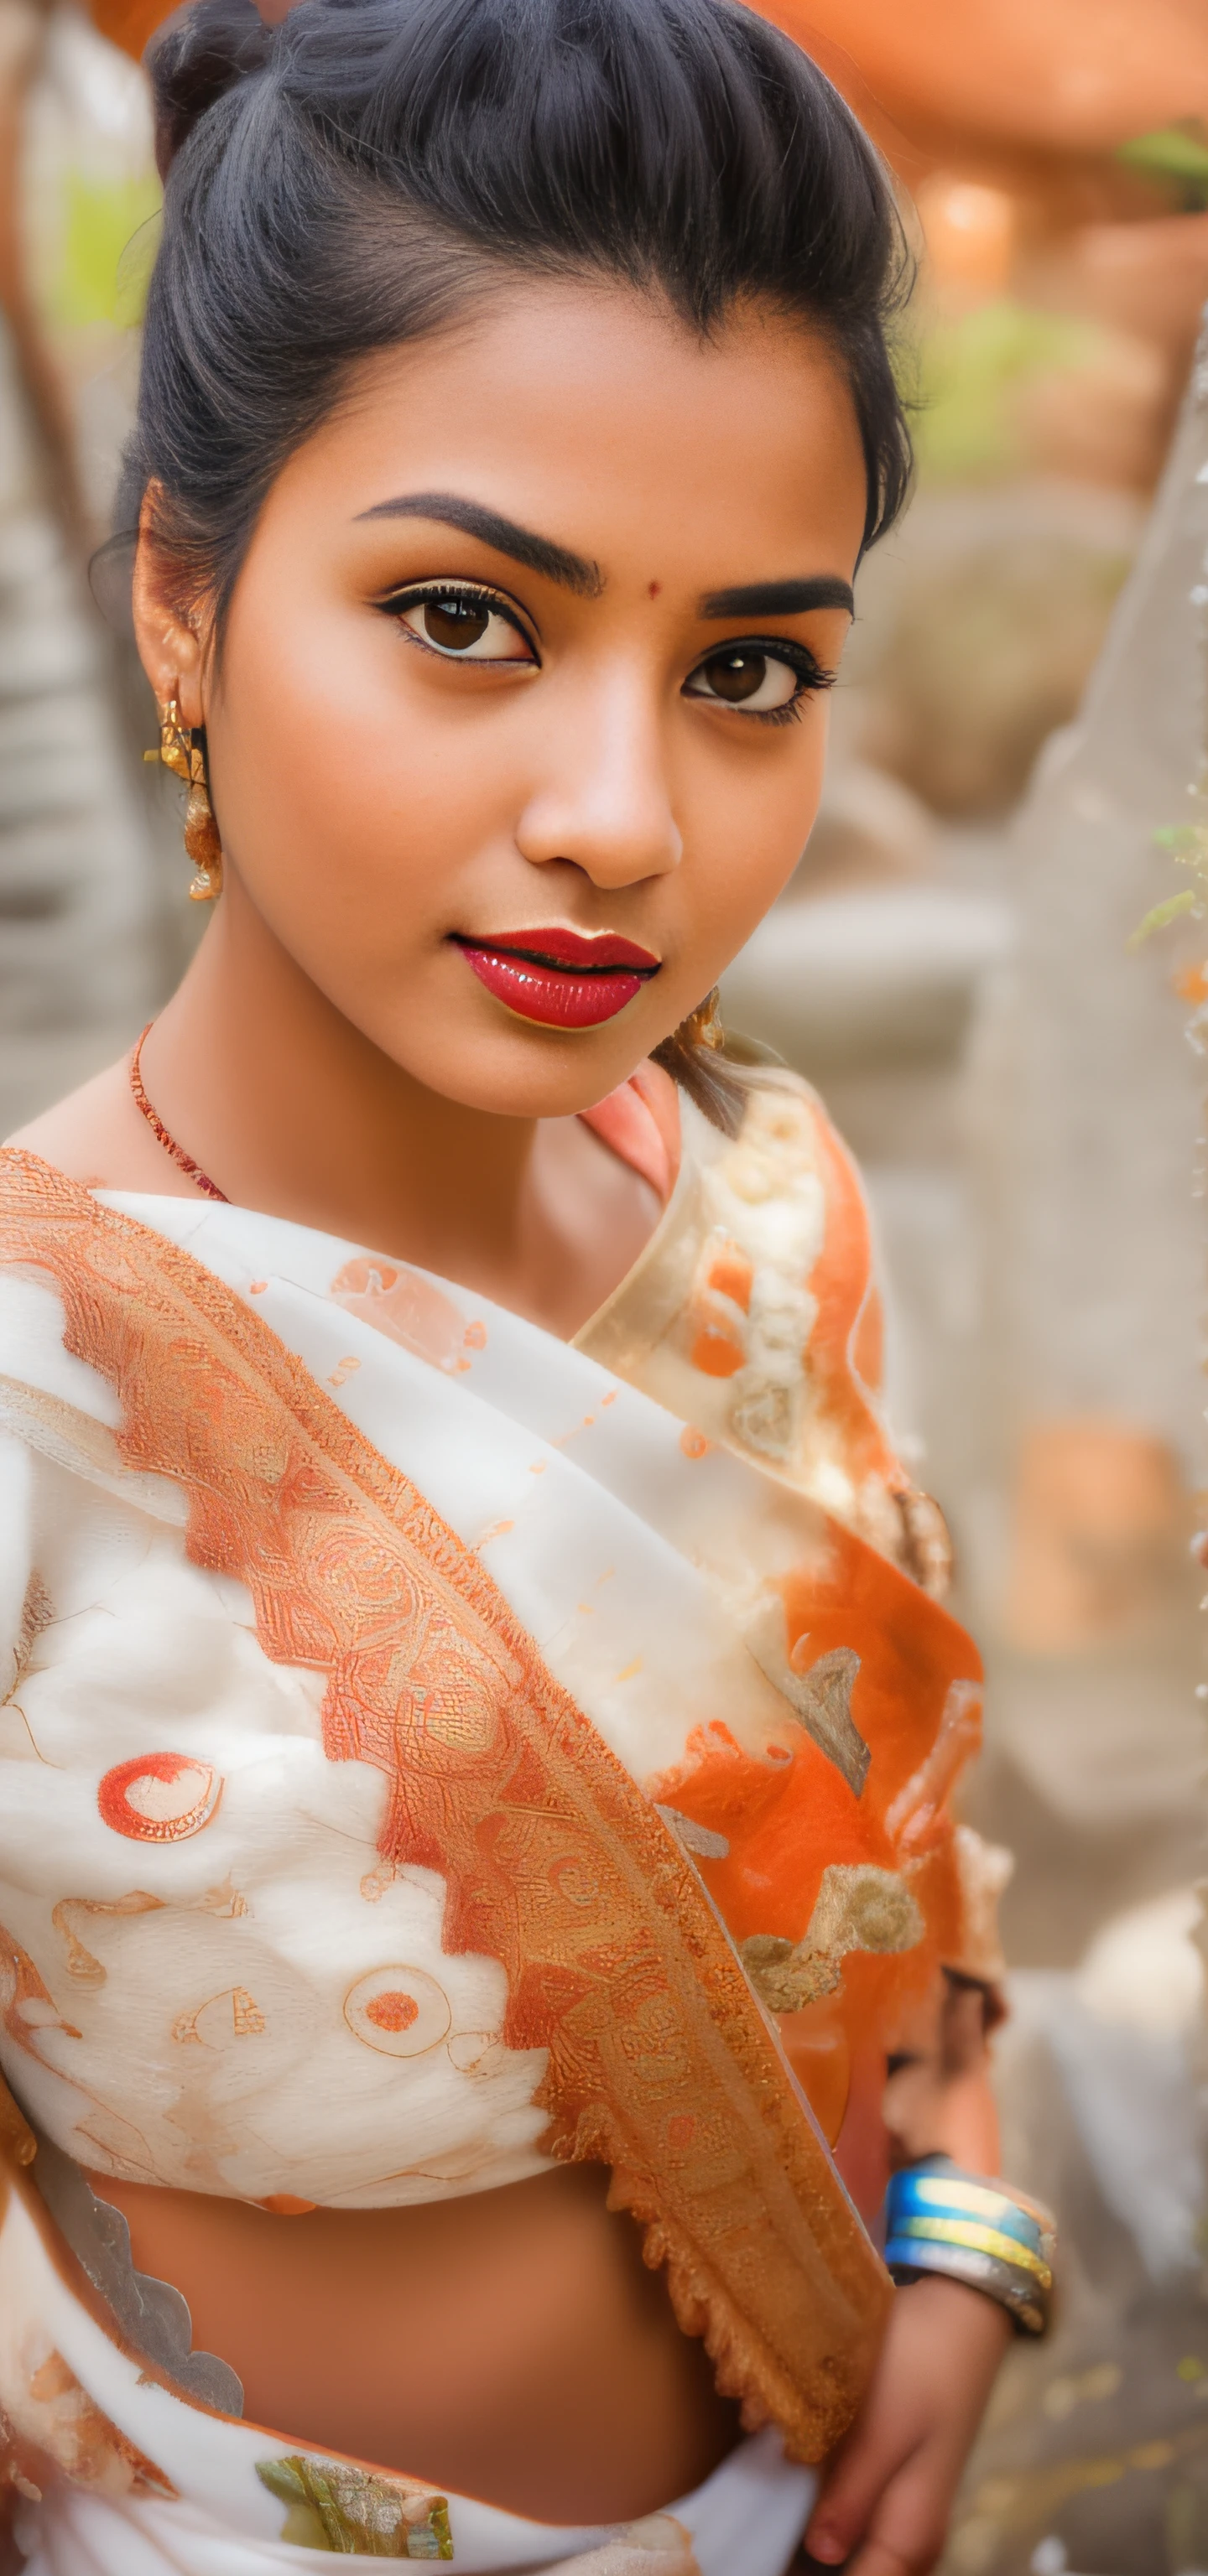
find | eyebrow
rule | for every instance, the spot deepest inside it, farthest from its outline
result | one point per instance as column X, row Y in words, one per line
column 538, row 554
column 780, row 598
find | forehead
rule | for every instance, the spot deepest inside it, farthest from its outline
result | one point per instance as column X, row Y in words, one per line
column 597, row 415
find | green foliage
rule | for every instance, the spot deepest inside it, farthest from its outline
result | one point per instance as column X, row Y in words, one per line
column 968, row 372
column 1162, row 913
column 108, row 243
column 1177, row 155
column 1188, row 846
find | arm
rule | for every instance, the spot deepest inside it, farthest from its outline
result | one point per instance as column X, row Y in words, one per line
column 888, row 2491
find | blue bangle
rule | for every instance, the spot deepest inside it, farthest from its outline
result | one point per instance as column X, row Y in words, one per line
column 940, row 2219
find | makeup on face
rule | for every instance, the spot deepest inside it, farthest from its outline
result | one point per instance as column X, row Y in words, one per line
column 762, row 676
column 507, row 496
column 560, row 978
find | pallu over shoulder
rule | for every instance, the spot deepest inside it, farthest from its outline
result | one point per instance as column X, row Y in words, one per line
column 433, row 1751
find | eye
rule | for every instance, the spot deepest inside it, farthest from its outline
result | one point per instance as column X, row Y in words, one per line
column 758, row 680
column 463, row 625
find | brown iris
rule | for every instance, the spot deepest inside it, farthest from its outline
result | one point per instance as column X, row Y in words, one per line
column 735, row 676
column 455, row 623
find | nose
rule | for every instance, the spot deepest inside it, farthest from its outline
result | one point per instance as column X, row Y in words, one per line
column 603, row 799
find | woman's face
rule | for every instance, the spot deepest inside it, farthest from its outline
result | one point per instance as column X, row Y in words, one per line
column 519, row 721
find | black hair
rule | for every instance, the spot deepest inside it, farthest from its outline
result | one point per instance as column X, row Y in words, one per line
column 356, row 176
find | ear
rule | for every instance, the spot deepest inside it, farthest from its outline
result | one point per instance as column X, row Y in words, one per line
column 170, row 638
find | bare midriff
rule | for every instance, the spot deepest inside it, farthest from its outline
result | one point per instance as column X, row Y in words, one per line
column 510, row 2345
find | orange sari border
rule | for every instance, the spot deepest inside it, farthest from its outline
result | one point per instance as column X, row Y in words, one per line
column 661, row 2062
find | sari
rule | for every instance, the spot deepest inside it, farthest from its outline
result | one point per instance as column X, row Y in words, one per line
column 436, row 1751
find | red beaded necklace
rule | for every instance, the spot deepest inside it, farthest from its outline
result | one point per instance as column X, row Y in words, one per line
column 183, row 1161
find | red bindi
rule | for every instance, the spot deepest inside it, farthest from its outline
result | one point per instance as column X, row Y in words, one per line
column 655, row 588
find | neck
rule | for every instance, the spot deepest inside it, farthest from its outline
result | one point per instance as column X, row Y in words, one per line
column 292, row 1109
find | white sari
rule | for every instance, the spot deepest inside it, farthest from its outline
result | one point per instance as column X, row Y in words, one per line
column 435, row 1751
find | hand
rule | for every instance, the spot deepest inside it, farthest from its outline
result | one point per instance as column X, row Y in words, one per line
column 940, row 2101
column 890, row 2484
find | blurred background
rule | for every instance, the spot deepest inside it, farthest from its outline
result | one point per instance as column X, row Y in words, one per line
column 1018, row 779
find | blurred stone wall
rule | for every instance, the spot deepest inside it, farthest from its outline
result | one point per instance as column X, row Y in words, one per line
column 78, row 962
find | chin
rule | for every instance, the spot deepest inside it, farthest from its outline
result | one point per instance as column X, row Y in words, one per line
column 539, row 1074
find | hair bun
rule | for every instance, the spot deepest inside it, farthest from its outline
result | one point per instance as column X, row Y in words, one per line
column 194, row 59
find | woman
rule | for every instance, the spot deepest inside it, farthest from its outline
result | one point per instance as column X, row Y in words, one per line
column 478, row 1756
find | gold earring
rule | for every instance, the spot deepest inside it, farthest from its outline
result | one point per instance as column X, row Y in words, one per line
column 181, row 752
column 703, row 1027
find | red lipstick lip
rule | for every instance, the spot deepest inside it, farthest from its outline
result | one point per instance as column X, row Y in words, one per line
column 558, row 978
column 589, row 952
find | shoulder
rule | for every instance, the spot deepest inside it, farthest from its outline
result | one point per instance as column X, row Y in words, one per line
column 785, row 1314
column 785, row 1119
column 96, row 1136
column 791, row 1187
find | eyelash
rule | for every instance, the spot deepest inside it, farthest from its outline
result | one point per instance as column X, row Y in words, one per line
column 811, row 677
column 418, row 593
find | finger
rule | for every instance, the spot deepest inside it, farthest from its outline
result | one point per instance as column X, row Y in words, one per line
column 881, row 2558
column 876, row 2559
column 857, row 2478
column 909, row 2525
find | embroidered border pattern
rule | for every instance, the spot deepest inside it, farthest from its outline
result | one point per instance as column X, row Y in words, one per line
column 661, row 2064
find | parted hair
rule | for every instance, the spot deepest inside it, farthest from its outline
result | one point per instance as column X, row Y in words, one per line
column 357, row 176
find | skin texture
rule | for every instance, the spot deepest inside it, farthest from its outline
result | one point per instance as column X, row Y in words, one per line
column 331, row 1057
column 891, row 2483
column 538, row 2362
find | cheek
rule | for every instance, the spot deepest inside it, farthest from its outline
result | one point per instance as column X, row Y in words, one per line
column 755, row 825
column 345, row 796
